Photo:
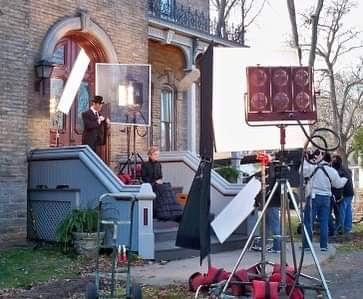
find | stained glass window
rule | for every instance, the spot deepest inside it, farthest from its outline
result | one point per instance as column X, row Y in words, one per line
column 82, row 104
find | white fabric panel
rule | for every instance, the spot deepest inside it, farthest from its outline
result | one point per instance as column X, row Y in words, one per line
column 232, row 133
column 229, row 219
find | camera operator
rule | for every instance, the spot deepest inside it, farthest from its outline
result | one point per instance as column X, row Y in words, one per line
column 321, row 177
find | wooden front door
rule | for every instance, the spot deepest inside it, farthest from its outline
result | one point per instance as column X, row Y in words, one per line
column 70, row 126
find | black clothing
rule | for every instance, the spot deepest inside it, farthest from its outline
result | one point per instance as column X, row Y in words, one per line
column 165, row 206
column 93, row 132
column 348, row 189
column 151, row 171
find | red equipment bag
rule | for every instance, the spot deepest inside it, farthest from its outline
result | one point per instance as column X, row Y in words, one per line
column 125, row 178
column 265, row 290
column 213, row 275
column 240, row 276
column 195, row 280
column 290, row 273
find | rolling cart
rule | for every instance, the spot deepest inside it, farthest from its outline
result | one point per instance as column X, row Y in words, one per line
column 109, row 217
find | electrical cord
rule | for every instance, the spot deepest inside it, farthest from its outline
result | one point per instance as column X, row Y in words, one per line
column 137, row 128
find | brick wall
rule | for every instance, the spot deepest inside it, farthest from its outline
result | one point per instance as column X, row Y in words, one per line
column 168, row 63
column 24, row 121
column 124, row 22
column 14, row 73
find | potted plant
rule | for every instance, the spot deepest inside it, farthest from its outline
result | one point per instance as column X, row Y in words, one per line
column 80, row 229
column 228, row 173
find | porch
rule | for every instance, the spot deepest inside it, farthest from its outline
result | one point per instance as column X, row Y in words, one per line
column 61, row 179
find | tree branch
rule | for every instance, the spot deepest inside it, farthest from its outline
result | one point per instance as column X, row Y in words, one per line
column 292, row 15
column 314, row 31
column 256, row 14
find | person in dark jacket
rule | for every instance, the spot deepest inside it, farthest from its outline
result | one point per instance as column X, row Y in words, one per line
column 93, row 123
column 345, row 205
column 151, row 170
column 165, row 205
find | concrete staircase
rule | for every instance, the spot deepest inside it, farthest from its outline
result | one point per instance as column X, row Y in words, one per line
column 165, row 236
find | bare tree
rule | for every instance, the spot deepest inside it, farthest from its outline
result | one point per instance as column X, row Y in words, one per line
column 342, row 90
column 314, row 20
column 248, row 11
column 345, row 90
column 223, row 8
column 340, row 105
column 342, row 108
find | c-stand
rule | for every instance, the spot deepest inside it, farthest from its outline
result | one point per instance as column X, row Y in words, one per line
column 282, row 182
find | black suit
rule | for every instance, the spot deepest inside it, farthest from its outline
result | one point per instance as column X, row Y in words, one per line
column 92, row 132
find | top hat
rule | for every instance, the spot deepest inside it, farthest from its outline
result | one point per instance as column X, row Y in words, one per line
column 98, row 100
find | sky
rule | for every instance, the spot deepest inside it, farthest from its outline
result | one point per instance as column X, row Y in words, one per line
column 272, row 28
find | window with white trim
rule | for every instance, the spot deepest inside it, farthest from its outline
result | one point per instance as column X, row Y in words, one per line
column 167, row 119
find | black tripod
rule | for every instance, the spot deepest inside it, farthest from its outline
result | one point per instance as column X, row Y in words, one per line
column 133, row 158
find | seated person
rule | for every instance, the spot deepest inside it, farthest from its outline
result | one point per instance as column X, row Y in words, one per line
column 151, row 170
column 165, row 204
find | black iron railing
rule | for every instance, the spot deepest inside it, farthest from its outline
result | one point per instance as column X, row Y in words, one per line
column 189, row 18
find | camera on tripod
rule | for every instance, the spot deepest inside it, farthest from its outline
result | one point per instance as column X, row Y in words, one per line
column 285, row 166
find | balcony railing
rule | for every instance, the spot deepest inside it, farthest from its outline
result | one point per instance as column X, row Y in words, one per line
column 192, row 19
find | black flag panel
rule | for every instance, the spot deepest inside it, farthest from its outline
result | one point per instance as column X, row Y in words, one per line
column 206, row 95
column 194, row 229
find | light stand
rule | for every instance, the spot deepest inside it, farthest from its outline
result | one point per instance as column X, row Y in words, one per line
column 57, row 135
column 132, row 157
column 220, row 290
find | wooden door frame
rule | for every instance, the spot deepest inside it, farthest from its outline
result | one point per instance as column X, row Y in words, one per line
column 97, row 55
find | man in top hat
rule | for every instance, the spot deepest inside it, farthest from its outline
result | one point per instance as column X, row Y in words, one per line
column 93, row 123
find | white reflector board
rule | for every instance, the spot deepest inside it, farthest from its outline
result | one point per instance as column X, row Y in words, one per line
column 231, row 131
column 74, row 81
column 236, row 211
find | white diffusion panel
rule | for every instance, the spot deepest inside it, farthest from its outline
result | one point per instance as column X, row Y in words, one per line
column 232, row 133
column 74, row 81
column 236, row 211
column 126, row 88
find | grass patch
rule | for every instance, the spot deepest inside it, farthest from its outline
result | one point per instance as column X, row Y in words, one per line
column 21, row 268
column 350, row 246
column 357, row 228
column 355, row 241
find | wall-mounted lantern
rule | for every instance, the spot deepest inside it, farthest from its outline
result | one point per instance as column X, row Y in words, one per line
column 43, row 70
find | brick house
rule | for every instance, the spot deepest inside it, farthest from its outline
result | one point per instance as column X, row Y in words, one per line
column 168, row 34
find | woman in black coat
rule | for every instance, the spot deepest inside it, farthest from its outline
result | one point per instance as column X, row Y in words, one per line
column 151, row 170
column 165, row 205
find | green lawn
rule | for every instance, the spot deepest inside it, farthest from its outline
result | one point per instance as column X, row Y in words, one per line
column 24, row 267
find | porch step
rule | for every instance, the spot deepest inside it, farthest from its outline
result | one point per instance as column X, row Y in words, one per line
column 165, row 249
column 165, row 230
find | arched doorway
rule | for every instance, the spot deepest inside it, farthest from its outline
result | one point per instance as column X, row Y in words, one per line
column 70, row 126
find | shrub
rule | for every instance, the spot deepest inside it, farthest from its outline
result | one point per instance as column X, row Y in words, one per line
column 229, row 173
column 77, row 221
